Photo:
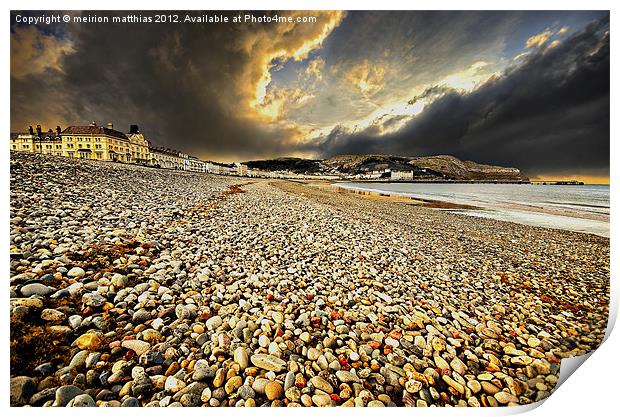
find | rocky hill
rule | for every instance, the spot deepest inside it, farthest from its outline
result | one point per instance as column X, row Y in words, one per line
column 296, row 165
column 429, row 167
column 466, row 170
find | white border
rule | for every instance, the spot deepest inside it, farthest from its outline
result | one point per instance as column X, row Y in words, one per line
column 593, row 388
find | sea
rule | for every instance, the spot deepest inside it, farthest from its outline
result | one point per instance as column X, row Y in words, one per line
column 578, row 208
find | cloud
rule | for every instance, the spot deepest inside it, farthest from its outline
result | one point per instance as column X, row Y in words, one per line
column 366, row 77
column 315, row 68
column 468, row 78
column 535, row 115
column 264, row 46
column 33, row 52
column 539, row 39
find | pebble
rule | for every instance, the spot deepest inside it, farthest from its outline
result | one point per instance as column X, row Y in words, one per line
column 321, row 384
column 65, row 394
column 22, row 388
column 268, row 362
column 50, row 314
column 321, row 400
column 214, row 323
column 274, row 390
column 82, row 400
column 76, row 272
column 36, row 289
column 90, row 341
column 137, row 346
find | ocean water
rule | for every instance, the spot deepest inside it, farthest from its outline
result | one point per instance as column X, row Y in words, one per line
column 579, row 208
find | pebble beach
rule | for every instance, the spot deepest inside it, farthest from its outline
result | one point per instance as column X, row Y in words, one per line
column 134, row 286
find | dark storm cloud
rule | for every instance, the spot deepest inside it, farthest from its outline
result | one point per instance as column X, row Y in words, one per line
column 549, row 114
column 185, row 85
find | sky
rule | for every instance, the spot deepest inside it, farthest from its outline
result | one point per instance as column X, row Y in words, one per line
column 524, row 89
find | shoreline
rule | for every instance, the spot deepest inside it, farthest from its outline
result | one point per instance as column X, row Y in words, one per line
column 495, row 210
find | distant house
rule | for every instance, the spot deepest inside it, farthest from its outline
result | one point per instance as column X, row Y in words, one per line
column 49, row 142
column 167, row 158
column 401, row 175
column 242, row 170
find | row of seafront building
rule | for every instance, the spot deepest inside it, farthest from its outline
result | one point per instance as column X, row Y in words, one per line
column 104, row 143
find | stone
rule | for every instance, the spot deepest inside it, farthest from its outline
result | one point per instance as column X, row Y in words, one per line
column 76, row 272
column 90, row 341
column 173, row 385
column 233, row 384
column 413, row 386
column 474, row 386
column 347, row 377
column 141, row 316
column 36, row 289
column 138, row 346
column 321, row 384
column 451, row 382
column 268, row 362
column 93, row 299
column 274, row 390
column 458, row 366
column 533, row 342
column 119, row 281
column 214, row 323
column 130, row 402
column 182, row 312
column 245, row 392
column 289, row 380
column 50, row 314
column 22, row 388
column 65, row 394
column 82, row 400
column 205, row 396
column 219, row 378
column 263, row 341
column 293, row 394
column 277, row 317
column 241, row 356
column 79, row 359
column 489, row 388
column 313, row 354
column 202, row 371
column 504, row 397
column 158, row 323
column 321, row 400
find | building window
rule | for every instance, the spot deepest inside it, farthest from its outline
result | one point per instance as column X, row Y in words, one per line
column 14, row 146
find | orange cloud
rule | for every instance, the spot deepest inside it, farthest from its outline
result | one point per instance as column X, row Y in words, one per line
column 563, row 30
column 265, row 46
column 539, row 40
column 315, row 68
column 366, row 77
column 33, row 52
